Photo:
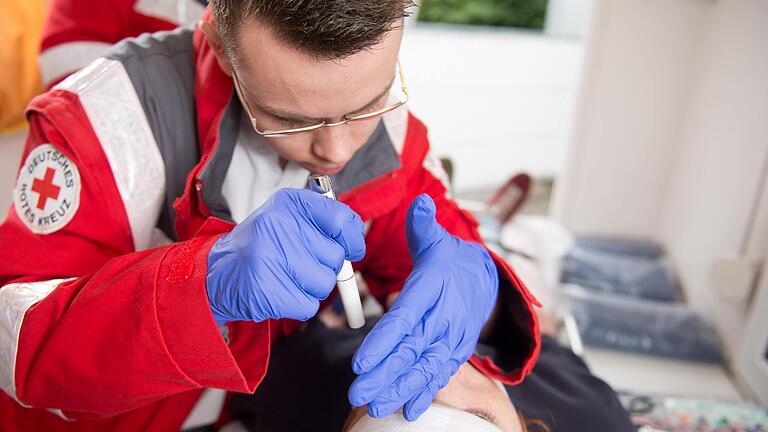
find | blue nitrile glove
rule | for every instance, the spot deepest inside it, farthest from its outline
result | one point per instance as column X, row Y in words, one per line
column 432, row 327
column 282, row 259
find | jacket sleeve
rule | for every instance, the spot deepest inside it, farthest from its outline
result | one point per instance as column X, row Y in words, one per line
column 77, row 32
column 95, row 320
column 388, row 262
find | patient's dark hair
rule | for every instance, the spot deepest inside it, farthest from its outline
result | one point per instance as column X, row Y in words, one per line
column 326, row 29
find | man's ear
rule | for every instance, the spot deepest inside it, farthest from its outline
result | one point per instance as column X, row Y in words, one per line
column 215, row 41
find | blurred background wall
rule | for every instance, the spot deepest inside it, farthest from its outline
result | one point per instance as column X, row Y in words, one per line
column 496, row 82
column 670, row 138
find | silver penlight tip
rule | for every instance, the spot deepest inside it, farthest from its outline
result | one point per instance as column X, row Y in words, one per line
column 321, row 183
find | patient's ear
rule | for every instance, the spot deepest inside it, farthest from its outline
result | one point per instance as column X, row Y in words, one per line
column 215, row 41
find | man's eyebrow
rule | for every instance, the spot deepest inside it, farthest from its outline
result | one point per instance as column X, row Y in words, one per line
column 375, row 99
column 291, row 116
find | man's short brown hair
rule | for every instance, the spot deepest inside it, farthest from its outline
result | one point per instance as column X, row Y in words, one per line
column 329, row 29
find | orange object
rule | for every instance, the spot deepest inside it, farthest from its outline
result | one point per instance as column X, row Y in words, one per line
column 21, row 24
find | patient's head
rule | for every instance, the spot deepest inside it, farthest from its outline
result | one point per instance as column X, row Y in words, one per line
column 470, row 402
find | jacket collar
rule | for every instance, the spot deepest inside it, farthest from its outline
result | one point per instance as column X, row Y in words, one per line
column 213, row 88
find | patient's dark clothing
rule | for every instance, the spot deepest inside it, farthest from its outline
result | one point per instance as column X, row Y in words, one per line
column 310, row 372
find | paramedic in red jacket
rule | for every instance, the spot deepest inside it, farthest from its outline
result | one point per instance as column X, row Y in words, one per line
column 159, row 240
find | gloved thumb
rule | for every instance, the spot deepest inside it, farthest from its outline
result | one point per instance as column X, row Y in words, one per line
column 421, row 227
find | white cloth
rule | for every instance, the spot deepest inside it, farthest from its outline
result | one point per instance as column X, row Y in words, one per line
column 255, row 173
column 436, row 418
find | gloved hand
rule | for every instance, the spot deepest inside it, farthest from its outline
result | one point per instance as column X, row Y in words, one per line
column 434, row 324
column 282, row 259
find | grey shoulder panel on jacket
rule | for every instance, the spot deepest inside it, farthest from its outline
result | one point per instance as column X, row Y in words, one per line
column 376, row 158
column 162, row 70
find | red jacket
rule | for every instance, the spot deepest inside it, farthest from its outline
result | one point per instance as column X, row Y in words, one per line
column 77, row 32
column 118, row 201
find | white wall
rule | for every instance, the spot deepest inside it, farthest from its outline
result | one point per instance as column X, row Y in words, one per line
column 568, row 17
column 495, row 100
column 723, row 149
column 671, row 135
column 638, row 68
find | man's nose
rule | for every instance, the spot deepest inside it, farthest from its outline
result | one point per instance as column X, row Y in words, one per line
column 333, row 144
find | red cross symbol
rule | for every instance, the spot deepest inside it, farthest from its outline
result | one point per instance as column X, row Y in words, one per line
column 45, row 188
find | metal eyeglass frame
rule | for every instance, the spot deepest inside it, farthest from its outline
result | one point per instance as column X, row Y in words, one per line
column 345, row 119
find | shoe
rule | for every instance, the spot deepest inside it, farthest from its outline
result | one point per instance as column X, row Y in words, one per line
column 510, row 197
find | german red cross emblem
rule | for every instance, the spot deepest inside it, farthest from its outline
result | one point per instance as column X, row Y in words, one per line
column 47, row 192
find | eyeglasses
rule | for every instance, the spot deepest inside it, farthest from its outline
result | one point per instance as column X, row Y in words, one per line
column 345, row 119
